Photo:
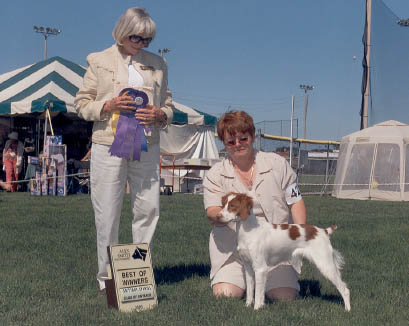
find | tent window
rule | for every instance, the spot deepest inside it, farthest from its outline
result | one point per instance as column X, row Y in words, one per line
column 407, row 168
column 387, row 168
column 340, row 164
column 359, row 167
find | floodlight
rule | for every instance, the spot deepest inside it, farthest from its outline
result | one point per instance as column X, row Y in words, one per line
column 46, row 31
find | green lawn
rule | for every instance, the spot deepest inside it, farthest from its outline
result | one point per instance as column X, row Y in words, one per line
column 48, row 266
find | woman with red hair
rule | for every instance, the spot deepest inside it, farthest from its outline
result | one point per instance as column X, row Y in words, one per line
column 272, row 184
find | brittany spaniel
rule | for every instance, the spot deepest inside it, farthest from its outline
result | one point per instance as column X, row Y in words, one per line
column 262, row 245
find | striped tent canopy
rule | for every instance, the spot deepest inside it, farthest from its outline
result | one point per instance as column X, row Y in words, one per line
column 51, row 84
column 186, row 115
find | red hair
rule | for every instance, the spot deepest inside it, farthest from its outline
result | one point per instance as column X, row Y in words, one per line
column 233, row 122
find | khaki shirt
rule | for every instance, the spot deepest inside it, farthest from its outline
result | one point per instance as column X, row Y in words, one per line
column 273, row 176
column 106, row 75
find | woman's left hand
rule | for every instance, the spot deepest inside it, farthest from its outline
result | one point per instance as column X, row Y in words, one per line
column 150, row 115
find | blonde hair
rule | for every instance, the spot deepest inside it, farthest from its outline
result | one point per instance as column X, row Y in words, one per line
column 134, row 21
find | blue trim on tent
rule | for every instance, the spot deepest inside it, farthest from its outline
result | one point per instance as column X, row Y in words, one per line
column 35, row 67
column 51, row 77
column 209, row 120
column 39, row 105
column 181, row 118
column 48, row 101
column 5, row 108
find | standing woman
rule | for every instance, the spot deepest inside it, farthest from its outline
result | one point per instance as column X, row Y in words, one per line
column 12, row 160
column 123, row 65
column 272, row 184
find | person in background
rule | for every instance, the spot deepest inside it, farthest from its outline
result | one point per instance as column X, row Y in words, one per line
column 271, row 182
column 12, row 161
column 125, row 64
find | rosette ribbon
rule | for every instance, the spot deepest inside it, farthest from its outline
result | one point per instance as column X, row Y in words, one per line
column 130, row 139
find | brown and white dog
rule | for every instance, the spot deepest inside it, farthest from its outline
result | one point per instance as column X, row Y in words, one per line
column 262, row 245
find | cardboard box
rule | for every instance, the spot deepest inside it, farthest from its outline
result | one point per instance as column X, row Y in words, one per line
column 34, row 160
column 50, row 141
column 35, row 184
column 52, row 181
column 44, row 184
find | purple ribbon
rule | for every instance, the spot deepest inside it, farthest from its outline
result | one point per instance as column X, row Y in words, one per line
column 130, row 137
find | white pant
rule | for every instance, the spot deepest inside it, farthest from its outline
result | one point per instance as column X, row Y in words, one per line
column 108, row 181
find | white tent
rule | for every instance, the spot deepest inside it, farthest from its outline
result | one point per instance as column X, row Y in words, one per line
column 189, row 140
column 373, row 163
column 193, row 139
column 53, row 84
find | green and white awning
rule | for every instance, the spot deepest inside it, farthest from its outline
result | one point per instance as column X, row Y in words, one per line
column 51, row 84
column 186, row 115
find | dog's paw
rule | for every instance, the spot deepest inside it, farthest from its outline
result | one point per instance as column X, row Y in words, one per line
column 249, row 303
column 258, row 306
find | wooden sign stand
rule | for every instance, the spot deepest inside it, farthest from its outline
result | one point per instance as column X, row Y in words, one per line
column 131, row 283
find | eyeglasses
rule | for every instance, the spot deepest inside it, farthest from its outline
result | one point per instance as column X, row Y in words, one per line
column 242, row 140
column 140, row 39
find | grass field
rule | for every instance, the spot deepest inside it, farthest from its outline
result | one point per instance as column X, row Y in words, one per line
column 48, row 266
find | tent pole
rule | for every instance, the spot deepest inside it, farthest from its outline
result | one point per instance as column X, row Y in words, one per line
column 45, row 131
column 291, row 131
column 38, row 138
column 327, row 171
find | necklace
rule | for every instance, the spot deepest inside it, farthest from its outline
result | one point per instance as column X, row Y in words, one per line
column 248, row 181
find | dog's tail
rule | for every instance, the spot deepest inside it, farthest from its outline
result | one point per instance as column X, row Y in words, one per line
column 331, row 229
column 338, row 259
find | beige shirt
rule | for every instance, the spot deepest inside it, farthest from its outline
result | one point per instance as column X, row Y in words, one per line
column 106, row 75
column 273, row 176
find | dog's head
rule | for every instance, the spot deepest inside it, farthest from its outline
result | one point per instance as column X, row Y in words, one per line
column 235, row 206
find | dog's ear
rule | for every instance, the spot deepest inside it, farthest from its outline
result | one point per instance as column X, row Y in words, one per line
column 246, row 204
column 224, row 200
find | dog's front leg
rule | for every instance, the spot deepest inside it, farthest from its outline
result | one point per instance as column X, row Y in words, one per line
column 261, row 279
column 249, row 284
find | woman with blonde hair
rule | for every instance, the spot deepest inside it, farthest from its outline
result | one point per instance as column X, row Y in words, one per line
column 125, row 93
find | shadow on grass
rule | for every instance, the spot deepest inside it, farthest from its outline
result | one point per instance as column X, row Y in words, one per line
column 311, row 288
column 181, row 272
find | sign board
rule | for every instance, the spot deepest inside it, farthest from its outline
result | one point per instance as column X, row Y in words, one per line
column 131, row 284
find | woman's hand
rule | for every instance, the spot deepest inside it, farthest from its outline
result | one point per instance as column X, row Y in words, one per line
column 119, row 104
column 150, row 115
column 214, row 214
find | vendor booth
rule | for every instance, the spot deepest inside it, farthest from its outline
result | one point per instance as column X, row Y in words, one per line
column 33, row 96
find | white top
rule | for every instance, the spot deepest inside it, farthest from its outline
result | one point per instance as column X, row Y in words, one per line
column 134, row 77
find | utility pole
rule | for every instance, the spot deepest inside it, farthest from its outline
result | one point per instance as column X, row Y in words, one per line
column 366, row 65
column 46, row 31
column 306, row 88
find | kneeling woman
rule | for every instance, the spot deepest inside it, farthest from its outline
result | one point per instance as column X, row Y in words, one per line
column 272, row 183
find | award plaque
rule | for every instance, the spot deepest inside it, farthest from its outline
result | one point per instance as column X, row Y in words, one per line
column 131, row 284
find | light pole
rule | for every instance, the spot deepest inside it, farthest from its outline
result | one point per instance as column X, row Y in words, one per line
column 46, row 31
column 306, row 88
column 403, row 22
column 162, row 52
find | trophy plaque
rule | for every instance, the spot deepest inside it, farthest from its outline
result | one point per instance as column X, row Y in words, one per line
column 131, row 284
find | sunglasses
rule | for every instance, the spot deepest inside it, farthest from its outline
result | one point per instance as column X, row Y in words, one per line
column 140, row 39
column 241, row 139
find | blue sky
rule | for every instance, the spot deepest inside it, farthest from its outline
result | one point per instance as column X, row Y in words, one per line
column 250, row 55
